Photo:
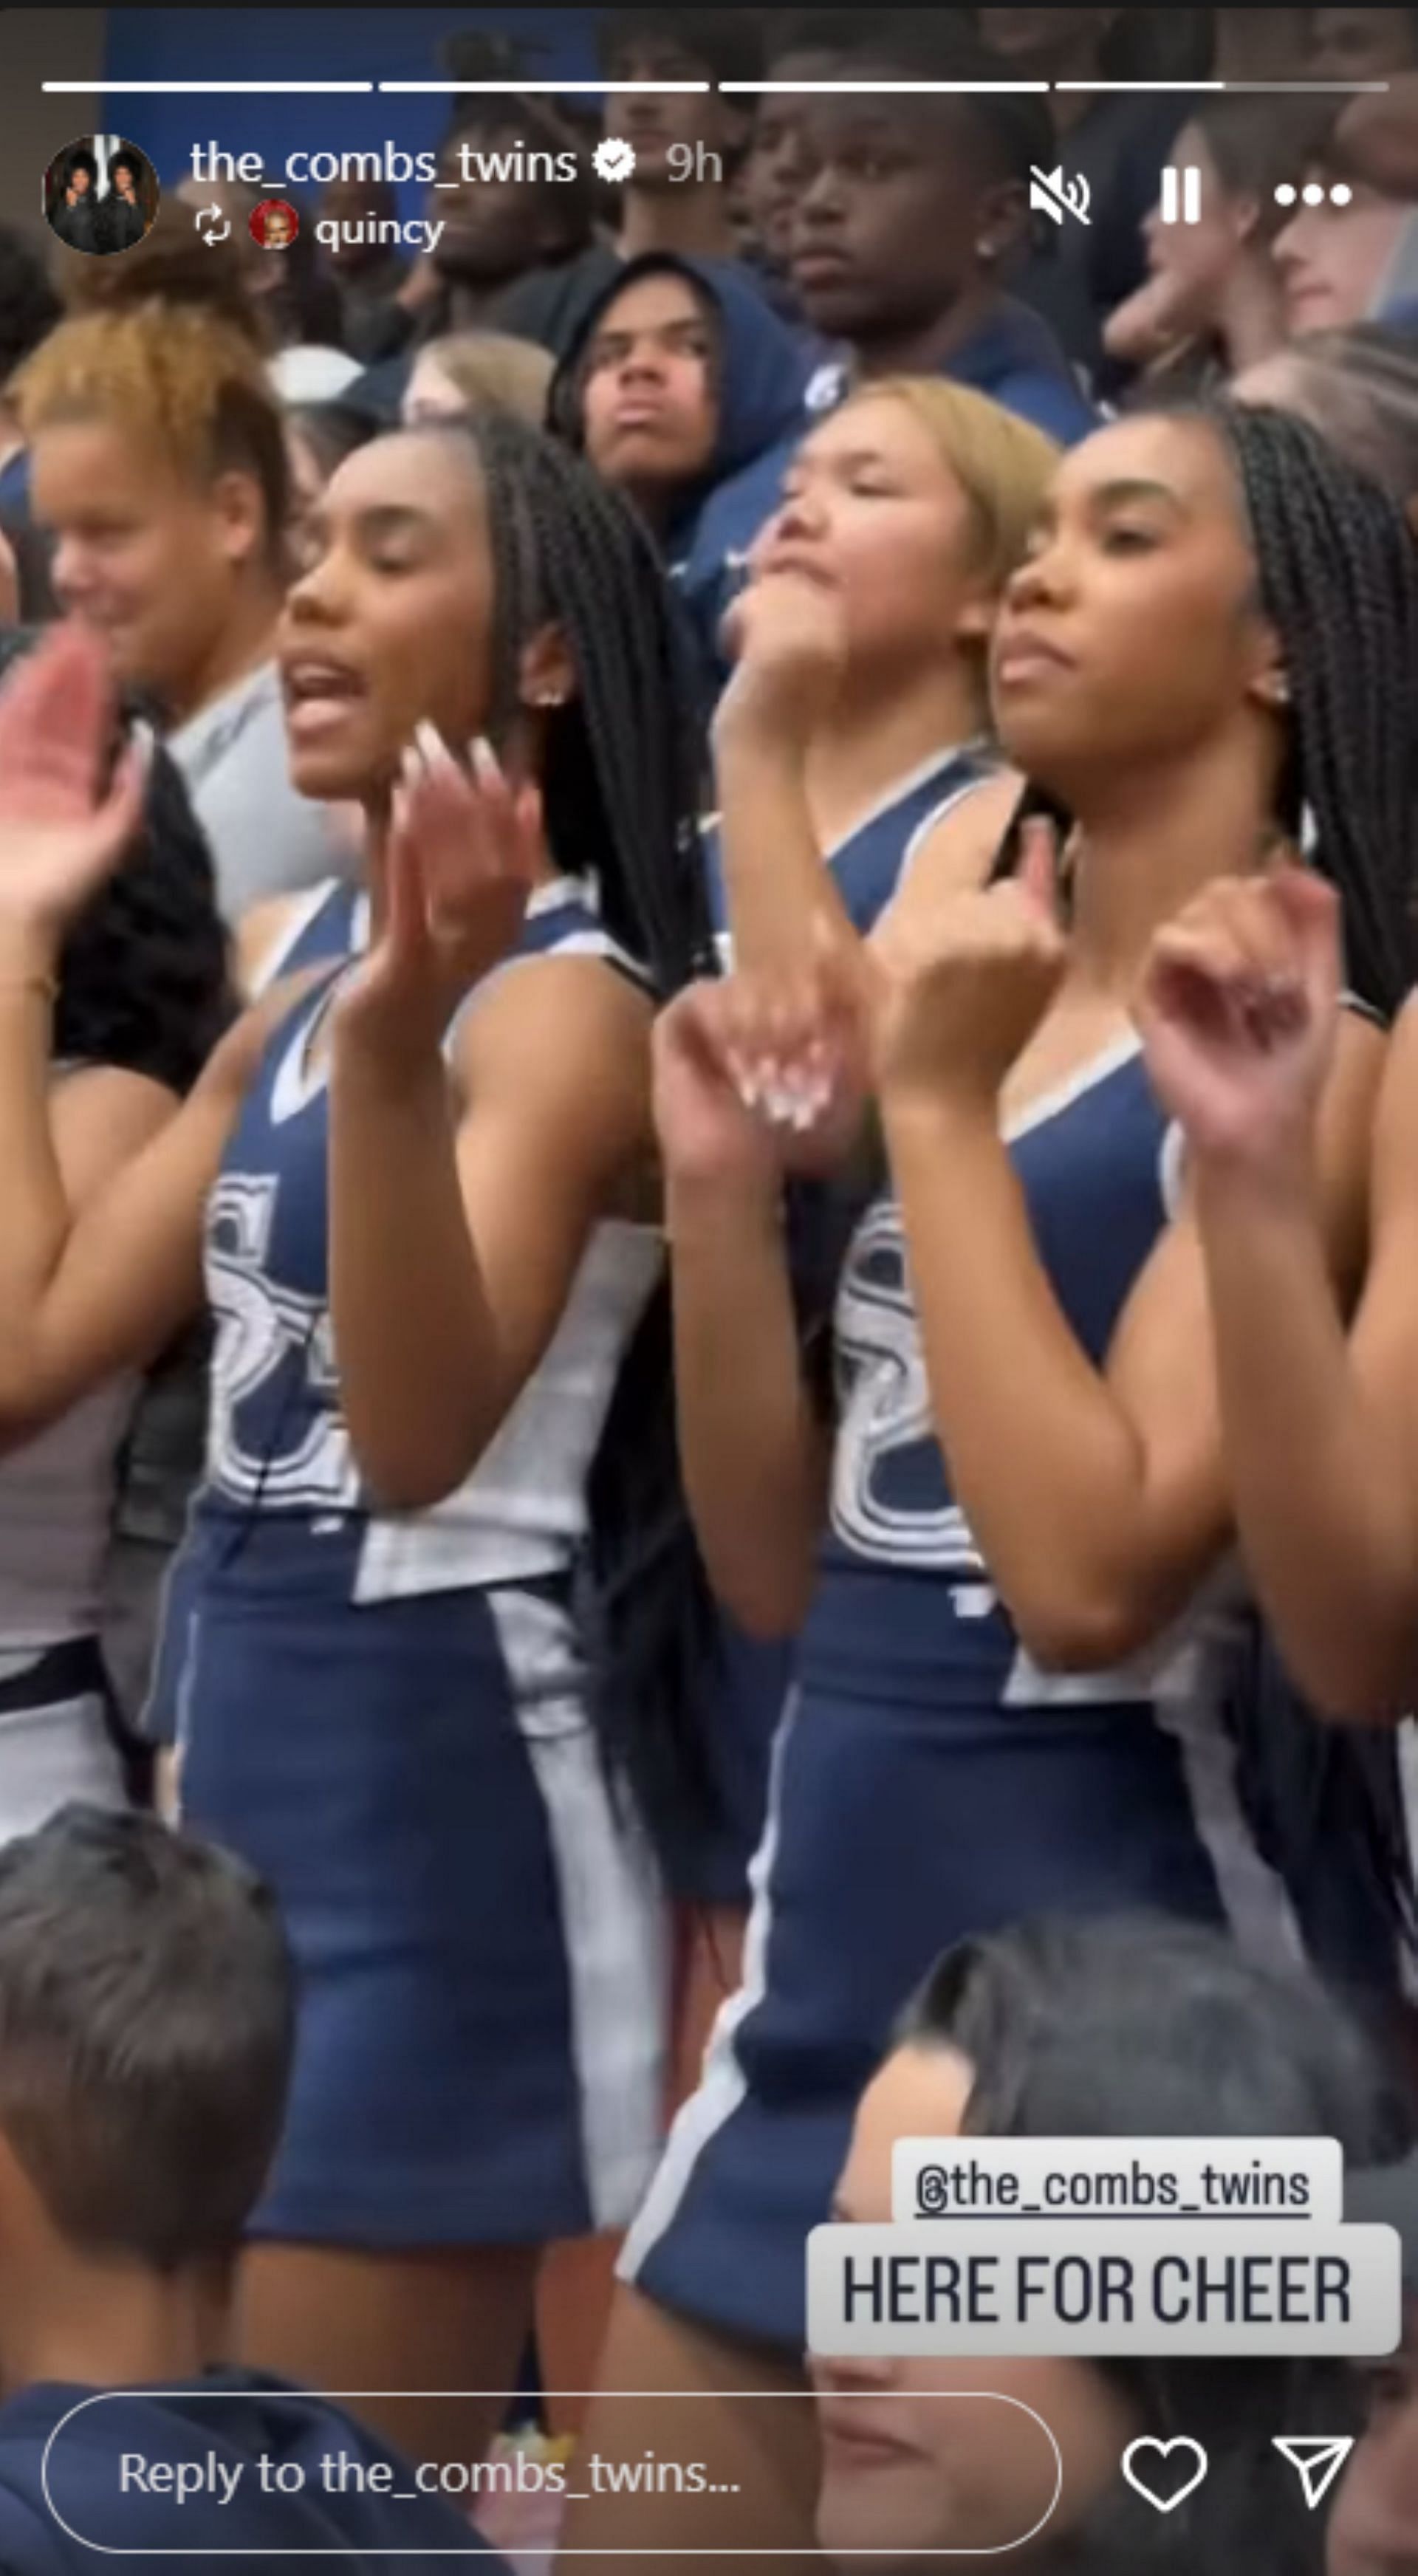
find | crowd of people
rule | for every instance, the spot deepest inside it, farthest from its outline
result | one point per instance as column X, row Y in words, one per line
column 708, row 1394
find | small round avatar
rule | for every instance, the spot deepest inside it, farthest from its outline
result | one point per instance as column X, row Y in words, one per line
column 100, row 195
column 274, row 223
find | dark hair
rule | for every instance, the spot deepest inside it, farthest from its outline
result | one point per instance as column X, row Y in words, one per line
column 74, row 162
column 1338, row 575
column 1013, row 131
column 146, row 2027
column 1141, row 2027
column 131, row 162
column 624, row 759
column 145, row 972
column 334, row 430
column 728, row 42
column 29, row 305
column 1359, row 388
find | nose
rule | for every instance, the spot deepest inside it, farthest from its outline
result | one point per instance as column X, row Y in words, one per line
column 643, row 363
column 1041, row 580
column 819, row 199
column 802, row 514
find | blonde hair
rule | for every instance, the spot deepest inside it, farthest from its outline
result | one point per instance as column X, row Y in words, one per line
column 187, row 386
column 492, row 367
column 1003, row 464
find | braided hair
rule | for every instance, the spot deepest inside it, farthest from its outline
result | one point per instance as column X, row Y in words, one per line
column 1338, row 578
column 621, row 782
column 624, row 761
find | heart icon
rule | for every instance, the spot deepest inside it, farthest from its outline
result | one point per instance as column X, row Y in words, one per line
column 1145, row 2466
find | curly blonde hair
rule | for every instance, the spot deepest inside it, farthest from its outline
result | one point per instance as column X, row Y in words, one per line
column 186, row 386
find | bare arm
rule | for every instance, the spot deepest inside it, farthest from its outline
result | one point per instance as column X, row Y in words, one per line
column 754, row 1453
column 460, row 1211
column 1098, row 1497
column 1322, row 1436
column 93, row 1284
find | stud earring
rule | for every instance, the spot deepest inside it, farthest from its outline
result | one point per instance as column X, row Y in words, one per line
column 1278, row 690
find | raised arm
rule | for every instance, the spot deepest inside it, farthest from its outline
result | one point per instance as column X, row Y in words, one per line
column 1242, row 1021
column 462, row 1197
column 1099, row 1496
column 789, row 644
column 92, row 1284
column 754, row 1447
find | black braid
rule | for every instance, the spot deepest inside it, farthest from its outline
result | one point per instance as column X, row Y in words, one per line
column 621, row 785
column 625, row 762
column 1338, row 573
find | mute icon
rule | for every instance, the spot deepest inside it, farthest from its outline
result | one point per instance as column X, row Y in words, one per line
column 1181, row 196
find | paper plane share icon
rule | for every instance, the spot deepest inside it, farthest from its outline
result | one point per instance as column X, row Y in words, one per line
column 1317, row 2462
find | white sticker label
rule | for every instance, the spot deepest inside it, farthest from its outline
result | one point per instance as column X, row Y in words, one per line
column 1011, row 2287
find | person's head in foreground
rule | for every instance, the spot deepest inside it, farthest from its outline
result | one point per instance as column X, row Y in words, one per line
column 159, row 466
column 1128, row 2028
column 1216, row 593
column 908, row 509
column 146, row 2019
column 471, row 576
column 1374, row 2527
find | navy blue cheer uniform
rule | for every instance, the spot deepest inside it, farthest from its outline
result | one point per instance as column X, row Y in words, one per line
column 929, row 1782
column 384, row 1713
column 753, row 1678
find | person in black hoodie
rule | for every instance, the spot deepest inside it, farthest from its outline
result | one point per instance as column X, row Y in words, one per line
column 125, row 217
column 680, row 379
column 146, row 2016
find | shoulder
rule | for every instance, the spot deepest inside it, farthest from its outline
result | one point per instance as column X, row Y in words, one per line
column 957, row 848
column 552, row 1032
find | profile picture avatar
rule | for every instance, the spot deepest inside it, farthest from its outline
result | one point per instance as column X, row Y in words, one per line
column 274, row 223
column 100, row 194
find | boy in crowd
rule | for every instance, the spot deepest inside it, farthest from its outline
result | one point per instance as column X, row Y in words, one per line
column 691, row 215
column 146, row 2014
column 908, row 210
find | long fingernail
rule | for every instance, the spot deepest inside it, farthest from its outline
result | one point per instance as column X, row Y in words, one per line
column 431, row 743
column 485, row 760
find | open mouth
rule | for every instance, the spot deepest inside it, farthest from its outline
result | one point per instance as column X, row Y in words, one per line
column 318, row 694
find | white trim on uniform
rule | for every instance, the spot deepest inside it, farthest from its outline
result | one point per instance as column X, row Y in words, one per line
column 613, row 1923
column 723, row 2084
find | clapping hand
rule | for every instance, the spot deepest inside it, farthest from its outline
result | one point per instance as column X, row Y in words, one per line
column 464, row 849
column 62, row 831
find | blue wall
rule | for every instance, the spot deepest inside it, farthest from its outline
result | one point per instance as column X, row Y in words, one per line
column 311, row 44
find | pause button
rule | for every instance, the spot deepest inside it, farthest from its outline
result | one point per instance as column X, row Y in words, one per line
column 1181, row 196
